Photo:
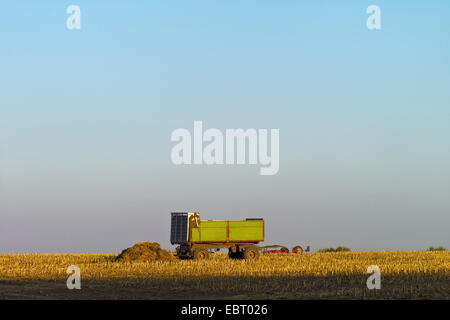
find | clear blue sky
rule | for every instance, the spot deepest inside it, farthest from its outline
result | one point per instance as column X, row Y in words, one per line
column 86, row 117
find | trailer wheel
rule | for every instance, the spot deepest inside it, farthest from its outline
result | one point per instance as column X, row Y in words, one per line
column 251, row 253
column 201, row 254
column 297, row 249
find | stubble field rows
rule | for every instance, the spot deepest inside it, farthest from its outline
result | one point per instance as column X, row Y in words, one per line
column 343, row 275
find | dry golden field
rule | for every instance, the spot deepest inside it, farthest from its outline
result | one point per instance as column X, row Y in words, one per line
column 404, row 275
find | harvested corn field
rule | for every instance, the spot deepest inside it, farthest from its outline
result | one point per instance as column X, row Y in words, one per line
column 341, row 275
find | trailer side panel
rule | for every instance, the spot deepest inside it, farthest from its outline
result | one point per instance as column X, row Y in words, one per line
column 210, row 231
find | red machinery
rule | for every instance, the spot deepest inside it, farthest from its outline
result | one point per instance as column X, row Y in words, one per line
column 282, row 249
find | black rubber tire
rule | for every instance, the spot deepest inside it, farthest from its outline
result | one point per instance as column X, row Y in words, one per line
column 201, row 254
column 251, row 253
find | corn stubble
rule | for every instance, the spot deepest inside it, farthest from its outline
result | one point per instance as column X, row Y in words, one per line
column 404, row 274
